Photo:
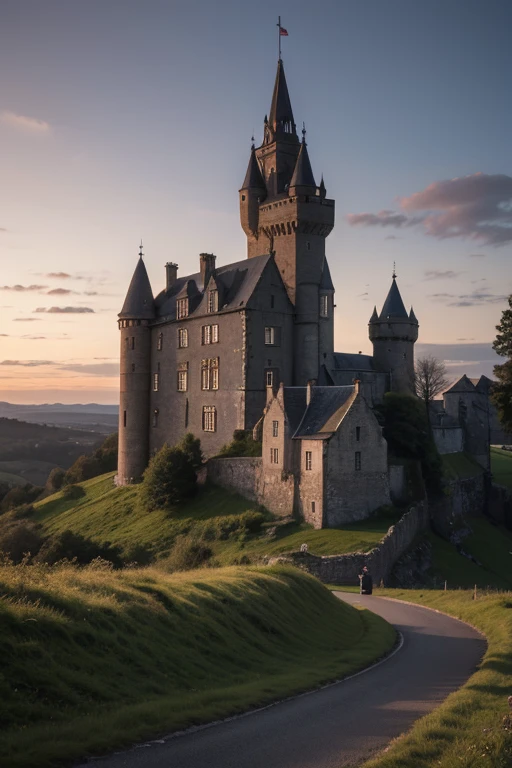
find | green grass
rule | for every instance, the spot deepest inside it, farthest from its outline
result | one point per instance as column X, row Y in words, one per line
column 467, row 730
column 112, row 514
column 460, row 466
column 94, row 659
column 501, row 466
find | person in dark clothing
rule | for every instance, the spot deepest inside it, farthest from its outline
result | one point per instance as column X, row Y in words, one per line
column 366, row 582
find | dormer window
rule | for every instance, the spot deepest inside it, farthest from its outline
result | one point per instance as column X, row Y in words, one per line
column 324, row 305
column 213, row 301
column 181, row 308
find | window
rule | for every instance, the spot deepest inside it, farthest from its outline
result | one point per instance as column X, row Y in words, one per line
column 181, row 308
column 275, row 429
column 313, row 507
column 272, row 301
column 124, row 418
column 309, row 460
column 213, row 301
column 324, row 305
column 160, row 342
column 182, row 377
column 270, row 335
column 274, row 455
column 209, row 334
column 308, row 245
column 269, row 378
column 358, row 460
column 182, row 338
column 209, row 418
column 156, row 380
column 210, row 373
column 132, row 342
column 155, row 417
column 358, row 434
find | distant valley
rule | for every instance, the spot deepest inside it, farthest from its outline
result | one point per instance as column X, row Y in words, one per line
column 91, row 416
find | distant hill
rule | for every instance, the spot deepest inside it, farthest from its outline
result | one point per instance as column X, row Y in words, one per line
column 90, row 416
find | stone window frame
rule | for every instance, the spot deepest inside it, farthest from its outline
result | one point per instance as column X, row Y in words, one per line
column 275, row 428
column 181, row 308
column 309, row 460
column 160, row 342
column 272, row 335
column 269, row 378
column 156, row 382
column 357, row 461
column 324, row 305
column 213, row 301
column 209, row 334
column 210, row 373
column 182, row 338
column 313, row 507
column 274, row 455
column 182, row 377
column 209, row 418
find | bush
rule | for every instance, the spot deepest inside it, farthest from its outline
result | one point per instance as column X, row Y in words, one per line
column 169, row 479
column 72, row 546
column 73, row 492
column 186, row 554
column 103, row 459
column 55, row 480
column 25, row 494
column 19, row 538
column 192, row 447
column 242, row 444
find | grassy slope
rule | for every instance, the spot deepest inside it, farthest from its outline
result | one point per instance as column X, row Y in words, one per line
column 460, row 466
column 8, row 477
column 97, row 659
column 467, row 730
column 112, row 514
column 501, row 466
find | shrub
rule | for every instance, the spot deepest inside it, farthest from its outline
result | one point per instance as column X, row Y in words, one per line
column 192, row 447
column 242, row 444
column 55, row 480
column 73, row 546
column 187, row 553
column 19, row 538
column 169, row 479
column 73, row 492
column 25, row 494
column 103, row 459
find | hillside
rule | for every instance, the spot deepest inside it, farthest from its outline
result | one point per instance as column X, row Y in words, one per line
column 98, row 659
column 92, row 416
column 232, row 526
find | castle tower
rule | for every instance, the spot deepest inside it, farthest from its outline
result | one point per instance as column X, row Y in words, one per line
column 393, row 334
column 137, row 312
column 283, row 210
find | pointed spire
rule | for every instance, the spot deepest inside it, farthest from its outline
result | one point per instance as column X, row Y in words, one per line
column 393, row 306
column 322, row 189
column 412, row 316
column 374, row 318
column 303, row 174
column 253, row 178
column 281, row 115
column 326, row 283
column 139, row 303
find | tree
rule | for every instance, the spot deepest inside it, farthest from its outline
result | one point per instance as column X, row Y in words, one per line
column 430, row 379
column 501, row 395
column 169, row 479
column 192, row 447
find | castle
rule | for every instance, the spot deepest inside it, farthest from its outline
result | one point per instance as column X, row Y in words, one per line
column 200, row 356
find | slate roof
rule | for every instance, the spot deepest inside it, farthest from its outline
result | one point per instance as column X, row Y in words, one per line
column 294, row 405
column 326, row 283
column 325, row 411
column 461, row 385
column 281, row 107
column 139, row 303
column 393, row 306
column 238, row 282
column 346, row 361
column 303, row 173
column 253, row 178
column 483, row 384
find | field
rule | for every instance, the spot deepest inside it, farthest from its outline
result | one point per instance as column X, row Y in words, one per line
column 91, row 659
column 501, row 466
column 112, row 514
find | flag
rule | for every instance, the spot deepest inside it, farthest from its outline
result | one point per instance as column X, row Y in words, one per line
column 283, row 32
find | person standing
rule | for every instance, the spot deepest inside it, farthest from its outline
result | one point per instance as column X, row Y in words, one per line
column 366, row 582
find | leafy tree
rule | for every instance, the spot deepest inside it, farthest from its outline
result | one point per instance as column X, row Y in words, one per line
column 192, row 447
column 55, row 480
column 430, row 379
column 103, row 459
column 25, row 494
column 169, row 479
column 243, row 444
column 502, row 390
column 19, row 538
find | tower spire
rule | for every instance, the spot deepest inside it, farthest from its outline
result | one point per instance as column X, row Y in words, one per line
column 280, row 118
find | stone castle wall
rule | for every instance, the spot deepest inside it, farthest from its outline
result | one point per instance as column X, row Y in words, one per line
column 244, row 475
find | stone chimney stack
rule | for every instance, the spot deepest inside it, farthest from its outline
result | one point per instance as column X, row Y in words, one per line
column 206, row 266
column 171, row 274
column 309, row 390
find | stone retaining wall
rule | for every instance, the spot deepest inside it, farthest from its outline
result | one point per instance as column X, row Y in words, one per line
column 241, row 474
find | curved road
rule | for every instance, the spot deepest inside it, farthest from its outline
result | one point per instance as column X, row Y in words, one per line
column 343, row 723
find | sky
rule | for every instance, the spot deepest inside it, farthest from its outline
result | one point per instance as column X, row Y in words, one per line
column 123, row 120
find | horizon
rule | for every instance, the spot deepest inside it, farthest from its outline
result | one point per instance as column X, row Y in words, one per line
column 104, row 149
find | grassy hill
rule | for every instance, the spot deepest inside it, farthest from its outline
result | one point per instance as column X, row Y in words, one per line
column 91, row 659
column 231, row 525
column 501, row 466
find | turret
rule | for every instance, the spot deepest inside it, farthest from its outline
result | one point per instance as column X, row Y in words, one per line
column 253, row 193
column 134, row 321
column 393, row 334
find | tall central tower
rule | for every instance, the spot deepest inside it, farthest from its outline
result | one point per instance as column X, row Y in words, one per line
column 283, row 210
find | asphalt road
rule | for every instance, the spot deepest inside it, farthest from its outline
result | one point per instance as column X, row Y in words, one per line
column 339, row 725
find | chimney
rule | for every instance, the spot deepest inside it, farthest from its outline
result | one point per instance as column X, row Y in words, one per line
column 309, row 390
column 171, row 274
column 207, row 267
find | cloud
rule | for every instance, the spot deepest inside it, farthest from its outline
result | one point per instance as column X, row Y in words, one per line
column 31, row 125
column 64, row 310
column 4, row 334
column 465, row 339
column 61, row 292
column 96, row 369
column 477, row 255
column 475, row 299
column 22, row 288
column 26, row 319
column 27, row 363
column 391, row 237
column 3, row 229
column 478, row 207
column 34, row 338
column 436, row 274
column 63, row 276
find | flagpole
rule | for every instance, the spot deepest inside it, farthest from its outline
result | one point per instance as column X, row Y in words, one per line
column 279, row 36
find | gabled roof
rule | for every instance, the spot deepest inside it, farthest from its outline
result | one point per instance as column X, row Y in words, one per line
column 238, row 282
column 139, row 303
column 393, row 306
column 303, row 173
column 461, row 385
column 325, row 411
column 281, row 107
column 347, row 361
column 483, row 384
column 294, row 405
column 253, row 178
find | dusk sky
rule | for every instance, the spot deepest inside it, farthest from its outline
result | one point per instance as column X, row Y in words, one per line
column 124, row 119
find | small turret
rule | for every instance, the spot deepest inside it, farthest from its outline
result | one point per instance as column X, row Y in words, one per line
column 393, row 334
column 252, row 193
column 135, row 373
column 303, row 181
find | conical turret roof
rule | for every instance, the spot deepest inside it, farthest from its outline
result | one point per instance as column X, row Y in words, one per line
column 326, row 283
column 303, row 173
column 281, row 115
column 412, row 316
column 374, row 316
column 253, row 178
column 393, row 306
column 139, row 303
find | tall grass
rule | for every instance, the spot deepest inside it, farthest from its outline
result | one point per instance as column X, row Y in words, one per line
column 91, row 659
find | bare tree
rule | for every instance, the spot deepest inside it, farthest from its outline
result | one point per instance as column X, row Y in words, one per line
column 430, row 379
